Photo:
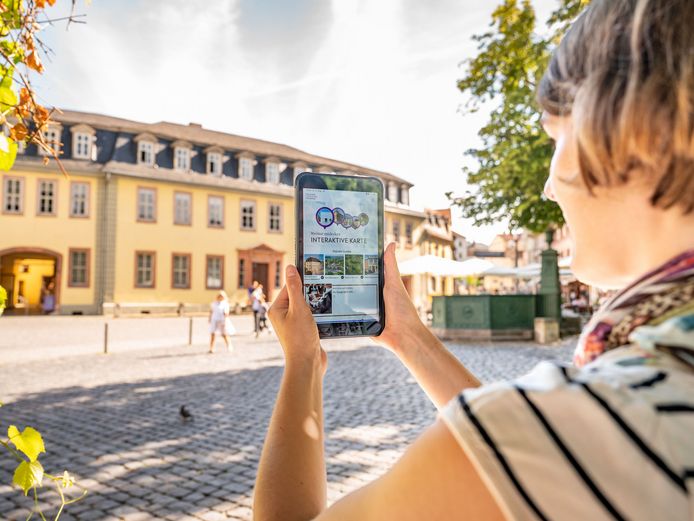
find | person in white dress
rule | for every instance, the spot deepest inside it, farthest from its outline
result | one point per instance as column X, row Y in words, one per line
column 219, row 320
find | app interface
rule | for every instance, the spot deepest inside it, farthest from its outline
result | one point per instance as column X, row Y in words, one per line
column 340, row 263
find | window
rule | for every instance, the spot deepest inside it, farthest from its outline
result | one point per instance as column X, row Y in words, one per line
column 82, row 145
column 79, row 199
column 404, row 194
column 183, row 202
column 182, row 159
column 272, row 173
column 144, row 269
column 180, row 270
column 79, row 268
column 46, row 204
column 408, row 235
column 13, row 195
column 145, row 153
column 215, row 211
column 392, row 192
column 246, row 168
column 396, row 230
column 214, row 272
column 146, row 205
column 242, row 273
column 248, row 215
column 274, row 217
column 214, row 163
column 278, row 274
column 52, row 137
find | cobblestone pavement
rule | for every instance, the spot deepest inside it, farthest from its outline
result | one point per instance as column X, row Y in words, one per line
column 113, row 420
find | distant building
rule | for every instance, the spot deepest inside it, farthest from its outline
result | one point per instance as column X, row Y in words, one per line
column 155, row 216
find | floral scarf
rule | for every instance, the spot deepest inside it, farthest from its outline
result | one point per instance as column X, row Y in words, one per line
column 662, row 294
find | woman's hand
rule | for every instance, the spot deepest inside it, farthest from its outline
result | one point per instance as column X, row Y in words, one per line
column 294, row 323
column 403, row 324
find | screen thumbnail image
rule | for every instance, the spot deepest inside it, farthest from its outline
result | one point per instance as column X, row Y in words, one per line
column 354, row 264
column 319, row 298
column 313, row 265
column 370, row 264
column 334, row 264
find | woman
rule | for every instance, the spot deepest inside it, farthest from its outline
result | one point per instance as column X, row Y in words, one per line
column 611, row 437
column 219, row 320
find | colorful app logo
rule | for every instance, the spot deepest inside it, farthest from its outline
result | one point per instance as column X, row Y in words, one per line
column 326, row 217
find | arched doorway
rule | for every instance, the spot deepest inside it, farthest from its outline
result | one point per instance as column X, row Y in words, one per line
column 263, row 264
column 31, row 277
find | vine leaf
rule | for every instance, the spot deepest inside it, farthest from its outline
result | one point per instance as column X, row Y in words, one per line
column 27, row 475
column 29, row 441
column 8, row 153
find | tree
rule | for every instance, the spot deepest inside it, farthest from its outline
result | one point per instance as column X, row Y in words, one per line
column 513, row 162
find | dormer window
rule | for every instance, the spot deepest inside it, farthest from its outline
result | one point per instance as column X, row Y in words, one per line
column 145, row 149
column 83, row 137
column 392, row 192
column 145, row 153
column 272, row 172
column 246, row 165
column 51, row 136
column 404, row 194
column 214, row 163
column 182, row 159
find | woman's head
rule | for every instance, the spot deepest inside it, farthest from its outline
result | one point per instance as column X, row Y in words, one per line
column 618, row 98
column 222, row 295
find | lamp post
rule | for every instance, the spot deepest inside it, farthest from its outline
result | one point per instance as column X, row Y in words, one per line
column 549, row 298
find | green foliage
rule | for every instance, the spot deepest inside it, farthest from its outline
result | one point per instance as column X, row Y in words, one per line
column 514, row 159
column 29, row 441
column 3, row 297
column 27, row 475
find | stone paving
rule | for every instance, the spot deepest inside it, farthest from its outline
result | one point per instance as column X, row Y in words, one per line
column 113, row 420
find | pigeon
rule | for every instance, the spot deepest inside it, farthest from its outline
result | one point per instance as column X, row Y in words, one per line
column 186, row 416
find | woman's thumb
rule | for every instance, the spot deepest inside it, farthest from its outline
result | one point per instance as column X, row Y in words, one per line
column 294, row 286
column 392, row 273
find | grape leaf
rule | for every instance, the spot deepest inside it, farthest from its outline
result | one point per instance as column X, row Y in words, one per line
column 29, row 441
column 27, row 475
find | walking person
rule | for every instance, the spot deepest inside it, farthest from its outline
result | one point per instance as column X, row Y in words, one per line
column 606, row 438
column 219, row 321
column 257, row 299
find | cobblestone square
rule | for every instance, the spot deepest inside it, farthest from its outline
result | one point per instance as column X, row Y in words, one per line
column 113, row 420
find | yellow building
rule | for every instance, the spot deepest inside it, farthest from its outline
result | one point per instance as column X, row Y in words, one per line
column 159, row 217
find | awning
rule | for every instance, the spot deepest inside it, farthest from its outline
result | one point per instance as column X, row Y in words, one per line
column 434, row 265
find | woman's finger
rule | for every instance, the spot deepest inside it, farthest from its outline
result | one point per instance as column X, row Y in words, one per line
column 294, row 286
column 392, row 272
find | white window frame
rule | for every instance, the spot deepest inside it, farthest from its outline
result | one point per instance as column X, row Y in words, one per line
column 145, row 216
column 214, row 158
column 218, row 282
column 272, row 172
column 246, row 165
column 396, row 231
column 82, row 143
column 220, row 199
column 392, row 192
column 50, row 198
column 248, row 217
column 144, row 269
column 405, row 194
column 182, row 159
column 180, row 218
column 147, row 147
column 51, row 136
column 13, row 195
column 182, row 271
column 79, row 190
column 274, row 222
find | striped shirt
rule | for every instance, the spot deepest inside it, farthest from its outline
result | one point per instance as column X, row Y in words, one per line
column 612, row 440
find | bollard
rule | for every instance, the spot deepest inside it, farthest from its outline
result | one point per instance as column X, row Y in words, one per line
column 190, row 331
column 106, row 338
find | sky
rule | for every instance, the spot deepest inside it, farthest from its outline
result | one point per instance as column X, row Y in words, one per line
column 371, row 82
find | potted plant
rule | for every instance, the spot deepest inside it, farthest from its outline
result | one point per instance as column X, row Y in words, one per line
column 3, row 299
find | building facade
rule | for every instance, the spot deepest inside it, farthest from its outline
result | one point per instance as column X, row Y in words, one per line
column 159, row 217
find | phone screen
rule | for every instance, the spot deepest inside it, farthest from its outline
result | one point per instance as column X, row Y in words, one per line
column 341, row 258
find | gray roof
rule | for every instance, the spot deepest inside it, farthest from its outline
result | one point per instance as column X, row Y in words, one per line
column 195, row 134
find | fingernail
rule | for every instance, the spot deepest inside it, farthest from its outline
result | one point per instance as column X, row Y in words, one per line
column 291, row 271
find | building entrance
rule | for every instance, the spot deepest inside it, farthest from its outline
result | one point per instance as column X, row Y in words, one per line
column 260, row 273
column 32, row 280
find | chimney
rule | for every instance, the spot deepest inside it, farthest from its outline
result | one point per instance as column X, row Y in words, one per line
column 195, row 125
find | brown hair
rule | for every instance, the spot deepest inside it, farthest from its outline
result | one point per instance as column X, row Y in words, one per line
column 625, row 72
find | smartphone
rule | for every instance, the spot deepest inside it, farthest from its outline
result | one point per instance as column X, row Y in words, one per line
column 339, row 252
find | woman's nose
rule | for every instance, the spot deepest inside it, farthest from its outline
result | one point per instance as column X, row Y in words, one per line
column 549, row 194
